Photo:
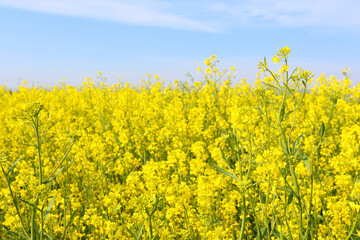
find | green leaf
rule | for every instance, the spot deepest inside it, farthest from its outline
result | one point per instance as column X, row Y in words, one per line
column 223, row 155
column 130, row 232
column 319, row 217
column 140, row 230
column 213, row 222
column 53, row 177
column 47, row 235
column 290, row 198
column 282, row 112
column 115, row 208
column 224, row 172
column 147, row 212
column 15, row 234
column 12, row 167
column 263, row 231
column 71, row 218
column 155, row 205
column 273, row 221
column 290, row 91
column 49, row 208
column 284, row 147
column 306, row 162
column 357, row 179
column 278, row 234
column 322, row 129
column 267, row 84
column 298, row 150
column 290, row 190
column 293, row 72
column 30, row 204
column 260, row 111
column 288, row 113
column 304, row 83
column 297, row 141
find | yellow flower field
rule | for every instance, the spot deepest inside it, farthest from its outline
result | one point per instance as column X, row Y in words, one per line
column 209, row 159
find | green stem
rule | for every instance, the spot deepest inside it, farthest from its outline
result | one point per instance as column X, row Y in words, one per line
column 59, row 164
column 36, row 126
column 42, row 226
column 151, row 230
column 268, row 123
column 293, row 174
column 281, row 115
column 33, row 217
column 312, row 164
column 292, row 125
column 265, row 214
column 354, row 226
column 242, row 228
column 243, row 218
column 254, row 212
column 64, row 231
column 14, row 201
column 285, row 211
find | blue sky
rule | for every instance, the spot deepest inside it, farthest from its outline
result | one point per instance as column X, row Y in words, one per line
column 45, row 41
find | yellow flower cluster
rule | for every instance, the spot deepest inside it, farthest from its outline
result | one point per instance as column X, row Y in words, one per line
column 208, row 160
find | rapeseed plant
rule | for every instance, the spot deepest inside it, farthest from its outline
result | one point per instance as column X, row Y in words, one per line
column 201, row 160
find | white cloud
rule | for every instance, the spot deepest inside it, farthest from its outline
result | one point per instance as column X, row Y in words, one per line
column 206, row 15
column 148, row 13
column 293, row 13
column 276, row 13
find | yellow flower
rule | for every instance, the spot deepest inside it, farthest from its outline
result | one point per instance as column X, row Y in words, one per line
column 275, row 59
column 207, row 150
column 208, row 62
column 284, row 52
column 284, row 68
column 263, row 65
column 354, row 206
